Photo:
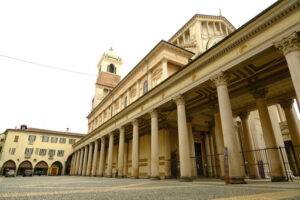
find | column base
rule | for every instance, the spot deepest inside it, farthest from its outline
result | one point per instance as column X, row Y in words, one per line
column 119, row 177
column 185, row 179
column 134, row 177
column 155, row 178
column 279, row 179
column 237, row 180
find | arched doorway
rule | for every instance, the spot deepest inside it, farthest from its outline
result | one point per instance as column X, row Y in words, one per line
column 68, row 165
column 55, row 169
column 10, row 164
column 23, row 166
column 41, row 168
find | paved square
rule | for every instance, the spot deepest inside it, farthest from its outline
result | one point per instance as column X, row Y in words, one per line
column 89, row 188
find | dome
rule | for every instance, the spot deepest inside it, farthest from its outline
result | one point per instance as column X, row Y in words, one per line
column 111, row 54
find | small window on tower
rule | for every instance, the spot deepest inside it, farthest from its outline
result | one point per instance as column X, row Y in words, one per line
column 111, row 68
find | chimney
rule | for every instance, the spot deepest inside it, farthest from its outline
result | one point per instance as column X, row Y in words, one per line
column 67, row 130
column 23, row 127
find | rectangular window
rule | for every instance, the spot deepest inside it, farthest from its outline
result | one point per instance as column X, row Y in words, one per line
column 45, row 139
column 16, row 138
column 12, row 151
column 125, row 102
column 60, row 153
column 72, row 141
column 51, row 152
column 31, row 139
column 28, row 152
column 53, row 139
column 43, row 152
column 62, row 140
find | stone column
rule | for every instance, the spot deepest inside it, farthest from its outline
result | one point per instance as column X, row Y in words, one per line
column 167, row 154
column 125, row 169
column 183, row 140
column 102, row 157
column 72, row 163
column 192, row 147
column 135, row 150
column 213, row 156
column 249, row 150
column 95, row 157
column 219, row 144
column 110, row 155
column 235, row 160
column 76, row 163
column 85, row 157
column 290, row 47
column 269, row 136
column 80, row 162
column 154, row 146
column 291, row 119
column 208, row 156
column 121, row 152
column 89, row 162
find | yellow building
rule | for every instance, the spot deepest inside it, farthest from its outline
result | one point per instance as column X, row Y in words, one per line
column 45, row 152
column 183, row 111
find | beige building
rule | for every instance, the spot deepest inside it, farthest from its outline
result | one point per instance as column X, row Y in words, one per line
column 183, row 111
column 45, row 152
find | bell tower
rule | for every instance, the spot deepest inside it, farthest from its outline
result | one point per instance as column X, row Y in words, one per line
column 109, row 75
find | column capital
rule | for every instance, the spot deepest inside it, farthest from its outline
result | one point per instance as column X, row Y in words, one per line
column 243, row 115
column 85, row 147
column 153, row 113
column 111, row 134
column 96, row 141
column 179, row 100
column 286, row 103
column 121, row 129
column 259, row 93
column 289, row 44
column 220, row 78
column 135, row 122
column 90, row 144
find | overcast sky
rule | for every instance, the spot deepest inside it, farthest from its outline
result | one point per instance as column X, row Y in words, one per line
column 74, row 35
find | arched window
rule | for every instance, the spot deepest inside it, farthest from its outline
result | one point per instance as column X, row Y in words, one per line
column 145, row 87
column 111, row 68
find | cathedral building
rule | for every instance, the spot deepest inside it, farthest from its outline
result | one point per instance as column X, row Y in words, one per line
column 211, row 101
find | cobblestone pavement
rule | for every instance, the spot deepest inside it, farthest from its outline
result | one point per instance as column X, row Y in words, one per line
column 90, row 188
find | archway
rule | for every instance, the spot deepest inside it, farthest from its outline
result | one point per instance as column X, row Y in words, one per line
column 41, row 168
column 68, row 165
column 10, row 164
column 23, row 166
column 56, row 169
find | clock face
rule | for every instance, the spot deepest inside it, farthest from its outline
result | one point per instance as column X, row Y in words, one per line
column 212, row 41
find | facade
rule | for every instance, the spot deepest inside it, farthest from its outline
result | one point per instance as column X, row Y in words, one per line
column 44, row 152
column 212, row 101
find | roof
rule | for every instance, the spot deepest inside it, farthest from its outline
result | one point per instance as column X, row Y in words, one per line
column 45, row 131
column 111, row 54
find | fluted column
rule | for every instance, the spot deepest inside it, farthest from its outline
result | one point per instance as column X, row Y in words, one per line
column 80, row 163
column 219, row 144
column 183, row 140
column 154, row 146
column 236, row 172
column 269, row 136
column 102, row 157
column 110, row 155
column 89, row 162
column 249, row 150
column 135, row 150
column 208, row 156
column 95, row 157
column 121, row 152
column 290, row 47
column 85, row 157
column 287, row 106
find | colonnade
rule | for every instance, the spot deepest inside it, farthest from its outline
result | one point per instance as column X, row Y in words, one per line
column 222, row 136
